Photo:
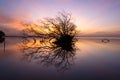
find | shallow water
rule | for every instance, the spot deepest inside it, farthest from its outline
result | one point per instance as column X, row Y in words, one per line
column 92, row 60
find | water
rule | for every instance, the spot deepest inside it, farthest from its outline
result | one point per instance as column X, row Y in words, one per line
column 92, row 60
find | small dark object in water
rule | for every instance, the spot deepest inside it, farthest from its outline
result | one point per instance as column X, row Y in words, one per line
column 105, row 40
column 65, row 42
column 2, row 37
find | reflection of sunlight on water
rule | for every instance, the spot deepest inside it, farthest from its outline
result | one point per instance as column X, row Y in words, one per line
column 84, row 47
column 36, row 42
column 88, row 47
column 90, row 56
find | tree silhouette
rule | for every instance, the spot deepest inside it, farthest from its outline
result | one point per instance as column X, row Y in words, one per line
column 51, row 42
column 60, row 25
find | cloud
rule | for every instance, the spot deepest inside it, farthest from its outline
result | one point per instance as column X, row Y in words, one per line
column 5, row 18
column 12, row 24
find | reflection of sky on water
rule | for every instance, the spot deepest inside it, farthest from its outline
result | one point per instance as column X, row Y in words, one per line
column 93, row 60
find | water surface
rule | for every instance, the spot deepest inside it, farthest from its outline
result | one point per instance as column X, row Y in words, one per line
column 92, row 60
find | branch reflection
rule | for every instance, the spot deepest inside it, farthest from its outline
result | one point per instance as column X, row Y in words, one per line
column 48, row 53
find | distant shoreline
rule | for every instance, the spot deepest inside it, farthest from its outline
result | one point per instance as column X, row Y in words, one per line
column 82, row 37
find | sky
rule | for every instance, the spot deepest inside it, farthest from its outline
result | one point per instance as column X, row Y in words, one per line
column 92, row 17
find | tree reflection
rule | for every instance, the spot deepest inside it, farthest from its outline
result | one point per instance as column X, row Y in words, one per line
column 54, row 45
column 49, row 55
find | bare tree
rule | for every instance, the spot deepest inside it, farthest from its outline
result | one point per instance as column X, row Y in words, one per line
column 56, row 44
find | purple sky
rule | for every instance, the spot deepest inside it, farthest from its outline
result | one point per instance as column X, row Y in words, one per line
column 91, row 16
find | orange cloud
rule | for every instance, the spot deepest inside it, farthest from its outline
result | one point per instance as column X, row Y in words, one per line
column 12, row 24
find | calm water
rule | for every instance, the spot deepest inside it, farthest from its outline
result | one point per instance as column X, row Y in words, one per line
column 92, row 60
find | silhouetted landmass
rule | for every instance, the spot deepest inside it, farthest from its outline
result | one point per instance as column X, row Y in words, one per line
column 2, row 36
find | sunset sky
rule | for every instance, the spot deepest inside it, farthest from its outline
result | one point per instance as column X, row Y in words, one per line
column 93, row 17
